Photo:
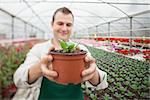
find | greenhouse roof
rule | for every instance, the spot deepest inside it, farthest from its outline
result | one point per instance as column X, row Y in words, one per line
column 87, row 13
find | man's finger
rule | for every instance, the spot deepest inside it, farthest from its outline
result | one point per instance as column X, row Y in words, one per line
column 47, row 72
column 89, row 59
column 50, row 58
column 88, row 77
column 46, row 59
column 89, row 70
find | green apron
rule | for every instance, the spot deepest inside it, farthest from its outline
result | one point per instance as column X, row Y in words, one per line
column 53, row 91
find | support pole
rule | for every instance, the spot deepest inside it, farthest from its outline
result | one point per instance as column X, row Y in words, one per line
column 12, row 28
column 109, row 32
column 131, row 32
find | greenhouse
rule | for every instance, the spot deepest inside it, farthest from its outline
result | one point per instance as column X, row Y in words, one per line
column 115, row 32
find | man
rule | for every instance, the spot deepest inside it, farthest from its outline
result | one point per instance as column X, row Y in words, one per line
column 35, row 77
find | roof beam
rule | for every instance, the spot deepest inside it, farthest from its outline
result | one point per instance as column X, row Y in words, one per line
column 91, row 2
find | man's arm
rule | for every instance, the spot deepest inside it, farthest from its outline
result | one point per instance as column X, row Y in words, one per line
column 90, row 73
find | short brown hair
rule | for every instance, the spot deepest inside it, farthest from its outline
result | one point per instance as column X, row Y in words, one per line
column 64, row 10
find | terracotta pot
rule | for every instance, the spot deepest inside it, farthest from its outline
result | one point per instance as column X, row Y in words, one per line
column 69, row 66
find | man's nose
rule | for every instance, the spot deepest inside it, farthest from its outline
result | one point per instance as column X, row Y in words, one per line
column 64, row 27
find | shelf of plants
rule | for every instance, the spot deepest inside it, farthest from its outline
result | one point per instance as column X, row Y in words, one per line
column 136, row 52
column 139, row 46
column 127, row 78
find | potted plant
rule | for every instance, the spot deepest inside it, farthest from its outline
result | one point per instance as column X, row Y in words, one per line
column 68, row 62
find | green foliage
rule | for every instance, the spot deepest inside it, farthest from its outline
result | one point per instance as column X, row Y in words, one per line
column 67, row 47
column 11, row 58
column 106, row 96
column 127, row 78
column 129, row 94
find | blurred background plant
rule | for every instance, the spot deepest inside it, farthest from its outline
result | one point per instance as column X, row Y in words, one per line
column 11, row 57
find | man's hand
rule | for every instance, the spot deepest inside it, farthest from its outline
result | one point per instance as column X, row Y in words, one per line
column 46, row 66
column 90, row 73
column 42, row 68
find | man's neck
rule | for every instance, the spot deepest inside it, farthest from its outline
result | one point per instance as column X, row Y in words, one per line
column 55, row 43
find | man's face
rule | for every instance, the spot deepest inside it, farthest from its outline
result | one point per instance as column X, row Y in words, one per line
column 62, row 26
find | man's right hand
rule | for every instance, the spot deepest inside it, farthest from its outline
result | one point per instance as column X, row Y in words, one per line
column 46, row 67
column 42, row 68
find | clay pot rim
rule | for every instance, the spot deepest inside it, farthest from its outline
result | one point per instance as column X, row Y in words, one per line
column 68, row 54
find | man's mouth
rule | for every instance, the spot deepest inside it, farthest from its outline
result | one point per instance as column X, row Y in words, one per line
column 63, row 33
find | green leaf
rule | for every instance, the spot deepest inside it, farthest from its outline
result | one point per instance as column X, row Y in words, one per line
column 111, row 80
column 83, row 86
column 129, row 94
column 122, row 89
column 67, row 46
column 70, row 46
column 142, row 94
column 118, row 95
column 106, row 97
column 112, row 89
column 63, row 44
column 135, row 87
column 93, row 97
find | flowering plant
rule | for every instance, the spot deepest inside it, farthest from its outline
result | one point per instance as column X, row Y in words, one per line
column 11, row 57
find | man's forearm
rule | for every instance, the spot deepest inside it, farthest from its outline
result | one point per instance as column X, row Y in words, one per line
column 96, row 79
column 34, row 73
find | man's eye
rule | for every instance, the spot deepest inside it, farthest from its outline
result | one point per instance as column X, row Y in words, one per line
column 69, row 25
column 60, row 23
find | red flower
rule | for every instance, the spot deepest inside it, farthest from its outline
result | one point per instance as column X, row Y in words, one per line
column 147, row 41
column 146, row 57
column 138, row 40
column 146, row 52
column 9, row 90
column 19, row 49
column 16, row 61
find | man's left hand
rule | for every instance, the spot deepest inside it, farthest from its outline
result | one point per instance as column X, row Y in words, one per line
column 90, row 73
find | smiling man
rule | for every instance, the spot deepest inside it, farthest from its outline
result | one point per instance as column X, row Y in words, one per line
column 62, row 24
column 35, row 77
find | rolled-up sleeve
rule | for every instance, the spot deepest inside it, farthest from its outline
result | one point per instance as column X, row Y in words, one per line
column 21, row 74
column 103, row 75
column 103, row 81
